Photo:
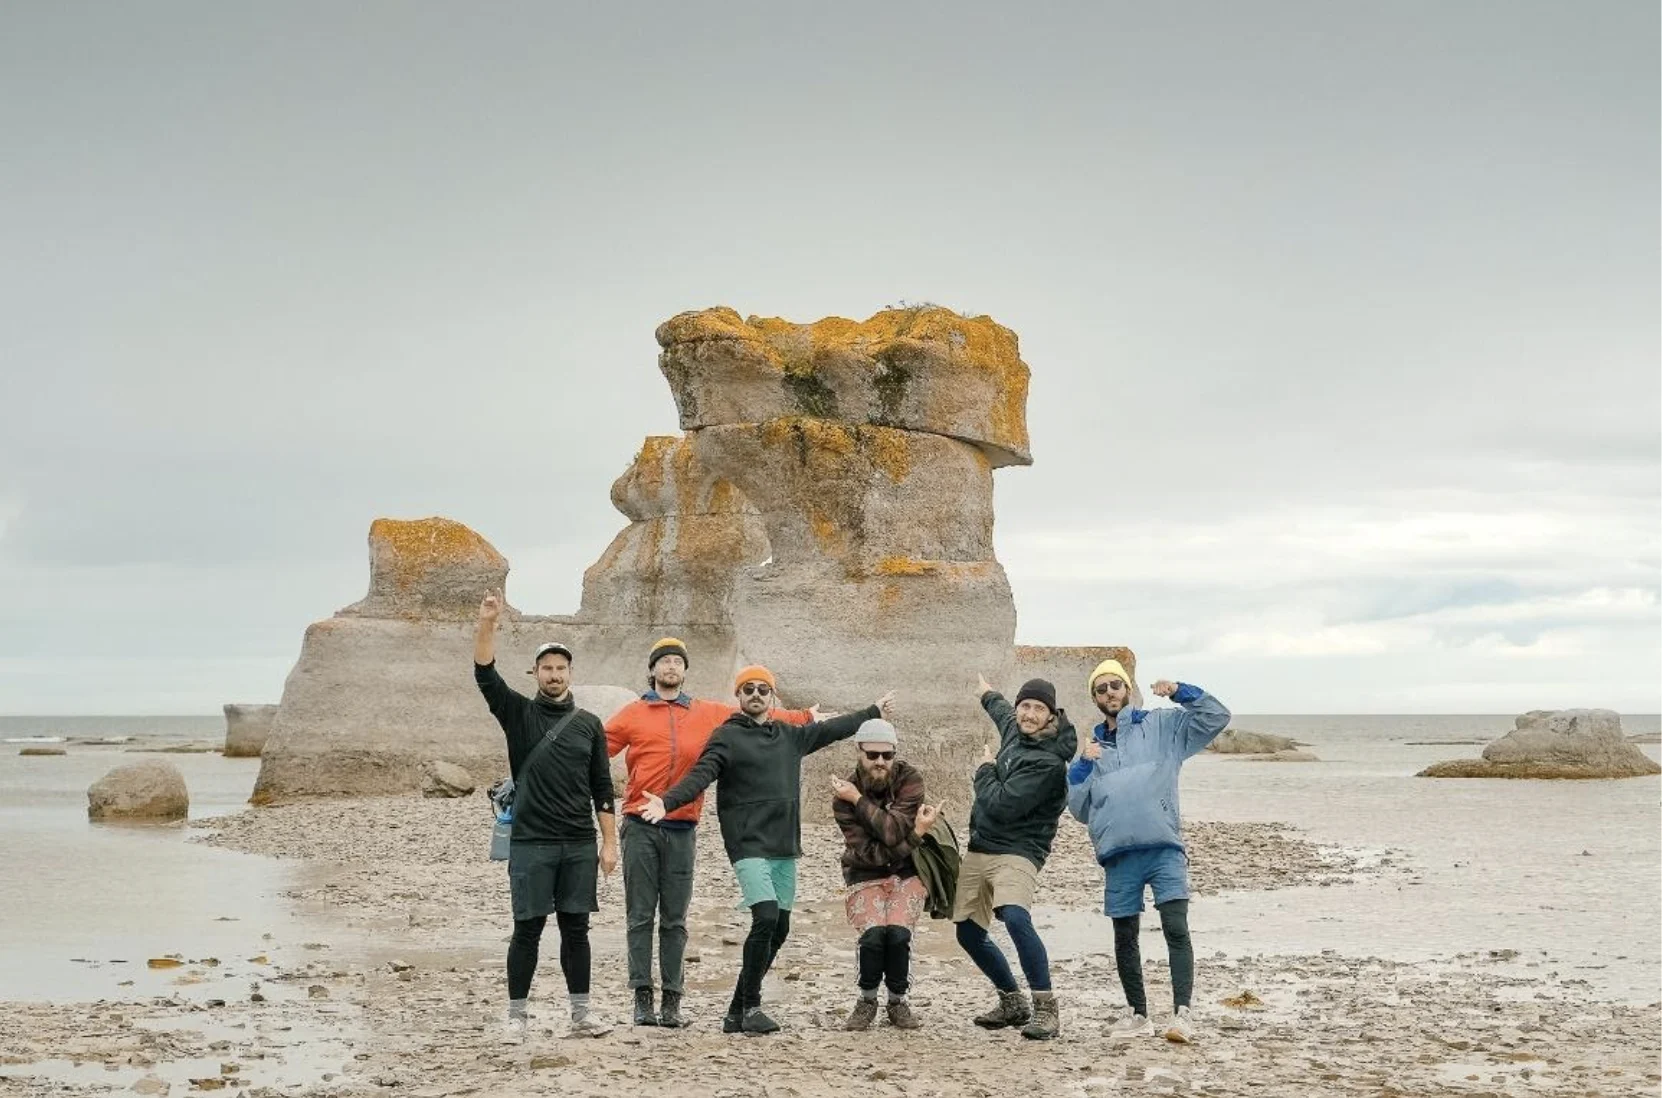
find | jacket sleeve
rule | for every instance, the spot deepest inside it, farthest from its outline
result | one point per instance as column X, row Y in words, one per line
column 620, row 729
column 1010, row 798
column 707, row 769
column 811, row 737
column 1079, row 789
column 509, row 707
column 1202, row 718
column 1003, row 716
column 877, row 836
column 600, row 773
column 793, row 716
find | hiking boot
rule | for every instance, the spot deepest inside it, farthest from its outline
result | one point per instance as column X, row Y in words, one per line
column 901, row 1016
column 588, row 1025
column 1180, row 1032
column 862, row 1016
column 644, row 1015
column 755, row 1021
column 1131, row 1027
column 1047, row 1019
column 513, row 1030
column 1012, row 1010
column 732, row 1023
column 670, row 1015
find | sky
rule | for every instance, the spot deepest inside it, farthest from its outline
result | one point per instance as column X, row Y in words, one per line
column 1342, row 318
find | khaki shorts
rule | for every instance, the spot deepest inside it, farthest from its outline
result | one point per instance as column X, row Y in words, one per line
column 986, row 881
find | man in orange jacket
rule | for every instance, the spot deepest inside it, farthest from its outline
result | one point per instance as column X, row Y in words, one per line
column 664, row 733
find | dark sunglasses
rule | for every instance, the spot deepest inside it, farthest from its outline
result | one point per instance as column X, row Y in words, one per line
column 1106, row 687
column 759, row 689
column 874, row 756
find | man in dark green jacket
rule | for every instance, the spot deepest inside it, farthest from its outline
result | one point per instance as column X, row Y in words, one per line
column 758, row 761
column 1020, row 794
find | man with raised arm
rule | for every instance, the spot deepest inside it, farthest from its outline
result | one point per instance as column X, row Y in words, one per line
column 1124, row 788
column 562, row 785
column 758, row 761
column 663, row 733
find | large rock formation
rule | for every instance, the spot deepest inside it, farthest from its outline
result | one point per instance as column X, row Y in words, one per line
column 246, row 729
column 149, row 792
column 1563, row 743
column 828, row 512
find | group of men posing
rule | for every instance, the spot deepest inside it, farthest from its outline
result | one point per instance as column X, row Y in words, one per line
column 1122, row 786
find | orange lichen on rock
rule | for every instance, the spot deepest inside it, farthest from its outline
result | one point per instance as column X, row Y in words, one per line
column 906, row 566
column 415, row 548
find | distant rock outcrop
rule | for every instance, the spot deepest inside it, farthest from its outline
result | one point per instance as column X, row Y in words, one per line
column 145, row 791
column 828, row 512
column 246, row 729
column 1563, row 743
column 1259, row 746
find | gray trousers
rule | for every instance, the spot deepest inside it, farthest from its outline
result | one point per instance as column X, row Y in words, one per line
column 657, row 884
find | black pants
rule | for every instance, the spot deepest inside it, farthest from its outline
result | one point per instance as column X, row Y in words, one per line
column 886, row 958
column 574, row 952
column 769, row 927
column 657, row 885
column 1128, row 958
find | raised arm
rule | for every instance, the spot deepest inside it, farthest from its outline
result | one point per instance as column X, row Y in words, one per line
column 1003, row 716
column 484, row 631
column 1203, row 716
column 824, row 733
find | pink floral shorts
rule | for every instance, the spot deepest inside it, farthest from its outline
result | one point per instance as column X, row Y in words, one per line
column 892, row 901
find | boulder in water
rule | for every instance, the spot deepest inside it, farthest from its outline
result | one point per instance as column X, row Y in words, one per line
column 1555, row 743
column 145, row 791
column 1238, row 741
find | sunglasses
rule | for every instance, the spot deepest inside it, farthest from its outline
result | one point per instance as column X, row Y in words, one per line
column 874, row 756
column 1107, row 687
column 756, row 689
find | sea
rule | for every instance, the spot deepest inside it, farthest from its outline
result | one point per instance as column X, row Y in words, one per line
column 1566, row 874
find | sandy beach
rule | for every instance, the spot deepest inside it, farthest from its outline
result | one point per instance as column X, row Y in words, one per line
column 397, row 986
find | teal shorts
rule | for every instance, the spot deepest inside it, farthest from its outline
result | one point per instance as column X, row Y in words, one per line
column 764, row 879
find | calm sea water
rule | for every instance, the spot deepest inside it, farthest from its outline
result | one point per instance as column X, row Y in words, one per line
column 1567, row 873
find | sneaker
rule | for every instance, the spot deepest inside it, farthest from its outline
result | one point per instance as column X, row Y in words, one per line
column 901, row 1016
column 732, row 1023
column 1130, row 1028
column 862, row 1016
column 513, row 1029
column 645, row 1015
column 669, row 1015
column 1012, row 1010
column 589, row 1025
column 1180, row 1031
column 755, row 1021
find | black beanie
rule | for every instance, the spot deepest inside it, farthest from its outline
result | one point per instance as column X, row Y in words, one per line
column 669, row 646
column 1038, row 690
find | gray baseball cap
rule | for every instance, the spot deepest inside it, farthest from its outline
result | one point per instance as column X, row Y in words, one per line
column 877, row 730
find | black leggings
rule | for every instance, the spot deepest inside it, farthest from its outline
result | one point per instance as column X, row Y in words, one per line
column 769, row 927
column 1128, row 958
column 885, row 957
column 574, row 952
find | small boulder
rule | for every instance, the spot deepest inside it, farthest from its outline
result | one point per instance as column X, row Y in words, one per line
column 1562, row 743
column 1236, row 741
column 246, row 729
column 443, row 779
column 146, row 791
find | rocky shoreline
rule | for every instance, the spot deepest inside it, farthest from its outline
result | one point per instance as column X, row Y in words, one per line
column 398, row 992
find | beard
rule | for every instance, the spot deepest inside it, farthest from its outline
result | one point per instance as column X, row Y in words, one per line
column 875, row 782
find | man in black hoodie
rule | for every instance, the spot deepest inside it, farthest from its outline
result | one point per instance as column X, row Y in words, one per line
column 1020, row 794
column 758, row 761
column 562, row 784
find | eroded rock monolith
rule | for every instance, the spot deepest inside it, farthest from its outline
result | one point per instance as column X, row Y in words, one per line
column 1561, row 743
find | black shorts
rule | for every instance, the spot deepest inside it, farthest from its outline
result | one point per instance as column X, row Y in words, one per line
column 547, row 877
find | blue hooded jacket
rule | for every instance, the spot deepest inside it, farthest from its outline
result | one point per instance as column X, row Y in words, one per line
column 1128, row 797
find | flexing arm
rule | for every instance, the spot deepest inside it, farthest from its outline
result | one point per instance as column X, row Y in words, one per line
column 1203, row 716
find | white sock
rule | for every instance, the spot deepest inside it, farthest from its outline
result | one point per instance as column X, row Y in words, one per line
column 516, row 1008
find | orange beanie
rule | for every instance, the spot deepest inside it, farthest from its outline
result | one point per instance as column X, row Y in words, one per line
column 754, row 673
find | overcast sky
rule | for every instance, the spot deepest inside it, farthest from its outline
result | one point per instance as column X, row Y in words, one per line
column 1343, row 317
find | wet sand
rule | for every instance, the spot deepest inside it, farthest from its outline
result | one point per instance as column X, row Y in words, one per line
column 398, row 986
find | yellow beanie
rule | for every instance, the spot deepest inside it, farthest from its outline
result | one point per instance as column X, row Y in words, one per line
column 1107, row 667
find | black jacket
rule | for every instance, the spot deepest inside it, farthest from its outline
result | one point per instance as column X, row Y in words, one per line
column 759, row 765
column 556, row 798
column 1019, row 797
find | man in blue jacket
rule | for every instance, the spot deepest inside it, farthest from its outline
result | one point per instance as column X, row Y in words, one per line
column 1124, row 788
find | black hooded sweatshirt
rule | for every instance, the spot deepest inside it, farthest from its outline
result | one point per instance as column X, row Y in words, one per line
column 759, row 765
column 1020, row 796
column 555, row 798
